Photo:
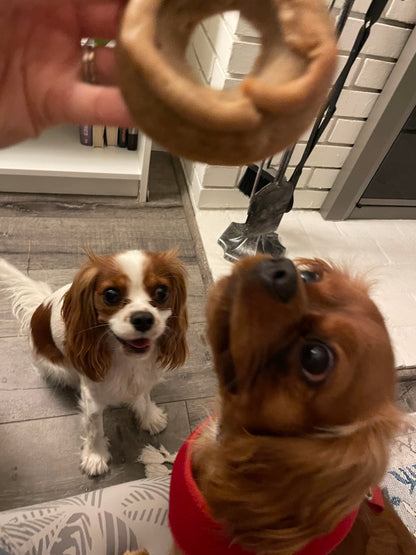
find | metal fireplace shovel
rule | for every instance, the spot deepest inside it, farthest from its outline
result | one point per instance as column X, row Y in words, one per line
column 270, row 201
column 266, row 209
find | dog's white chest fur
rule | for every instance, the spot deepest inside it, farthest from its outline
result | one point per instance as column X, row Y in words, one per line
column 126, row 380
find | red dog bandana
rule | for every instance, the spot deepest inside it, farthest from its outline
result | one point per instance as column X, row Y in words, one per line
column 197, row 533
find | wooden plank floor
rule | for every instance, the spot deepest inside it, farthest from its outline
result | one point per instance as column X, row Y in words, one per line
column 39, row 423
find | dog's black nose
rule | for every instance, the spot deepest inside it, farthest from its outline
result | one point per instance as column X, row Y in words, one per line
column 142, row 320
column 280, row 276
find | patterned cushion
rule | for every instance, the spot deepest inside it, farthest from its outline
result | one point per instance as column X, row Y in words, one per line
column 400, row 480
column 107, row 521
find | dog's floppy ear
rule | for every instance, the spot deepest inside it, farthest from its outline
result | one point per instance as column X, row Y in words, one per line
column 173, row 346
column 218, row 316
column 84, row 345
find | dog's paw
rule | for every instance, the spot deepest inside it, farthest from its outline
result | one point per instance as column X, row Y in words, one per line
column 94, row 461
column 155, row 420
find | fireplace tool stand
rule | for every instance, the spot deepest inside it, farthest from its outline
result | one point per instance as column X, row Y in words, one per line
column 271, row 196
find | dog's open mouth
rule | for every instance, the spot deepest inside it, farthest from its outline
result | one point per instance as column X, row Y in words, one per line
column 139, row 346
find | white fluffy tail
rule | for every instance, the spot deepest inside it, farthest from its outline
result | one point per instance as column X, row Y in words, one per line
column 25, row 293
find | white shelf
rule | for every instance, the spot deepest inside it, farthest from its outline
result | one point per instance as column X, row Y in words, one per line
column 57, row 162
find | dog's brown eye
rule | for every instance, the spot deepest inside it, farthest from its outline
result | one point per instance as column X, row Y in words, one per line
column 161, row 294
column 112, row 296
column 317, row 360
column 309, row 277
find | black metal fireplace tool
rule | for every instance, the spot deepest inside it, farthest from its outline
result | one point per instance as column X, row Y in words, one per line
column 271, row 194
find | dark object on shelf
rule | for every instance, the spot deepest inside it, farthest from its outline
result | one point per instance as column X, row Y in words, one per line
column 132, row 136
column 268, row 202
column 88, row 76
column 85, row 135
column 122, row 137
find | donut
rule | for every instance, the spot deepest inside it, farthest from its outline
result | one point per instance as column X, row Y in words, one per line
column 266, row 113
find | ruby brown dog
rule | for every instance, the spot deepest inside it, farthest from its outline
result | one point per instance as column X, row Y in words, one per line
column 111, row 334
column 291, row 462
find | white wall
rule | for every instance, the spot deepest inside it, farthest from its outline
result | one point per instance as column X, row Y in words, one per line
column 222, row 52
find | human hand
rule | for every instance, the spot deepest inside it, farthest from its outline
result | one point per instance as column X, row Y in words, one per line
column 41, row 66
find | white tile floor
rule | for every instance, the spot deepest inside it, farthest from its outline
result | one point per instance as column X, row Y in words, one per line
column 386, row 249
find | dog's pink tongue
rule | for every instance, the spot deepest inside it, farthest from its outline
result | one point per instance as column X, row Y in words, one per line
column 139, row 343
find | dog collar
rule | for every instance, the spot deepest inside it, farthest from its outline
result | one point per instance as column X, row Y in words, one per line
column 196, row 532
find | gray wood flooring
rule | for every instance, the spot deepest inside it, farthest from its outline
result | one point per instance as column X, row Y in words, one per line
column 39, row 423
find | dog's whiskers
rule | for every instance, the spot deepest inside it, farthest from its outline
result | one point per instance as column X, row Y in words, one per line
column 91, row 328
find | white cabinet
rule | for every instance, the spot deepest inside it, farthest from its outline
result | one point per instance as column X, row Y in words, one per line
column 56, row 162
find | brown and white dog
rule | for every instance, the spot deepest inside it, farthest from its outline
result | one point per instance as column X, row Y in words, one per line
column 291, row 462
column 110, row 333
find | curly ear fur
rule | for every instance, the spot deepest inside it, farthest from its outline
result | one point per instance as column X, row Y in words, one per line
column 173, row 346
column 275, row 494
column 84, row 344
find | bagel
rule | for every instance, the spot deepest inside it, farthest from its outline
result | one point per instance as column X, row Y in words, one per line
column 268, row 112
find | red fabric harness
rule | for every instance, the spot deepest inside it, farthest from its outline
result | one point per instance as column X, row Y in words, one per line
column 197, row 533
